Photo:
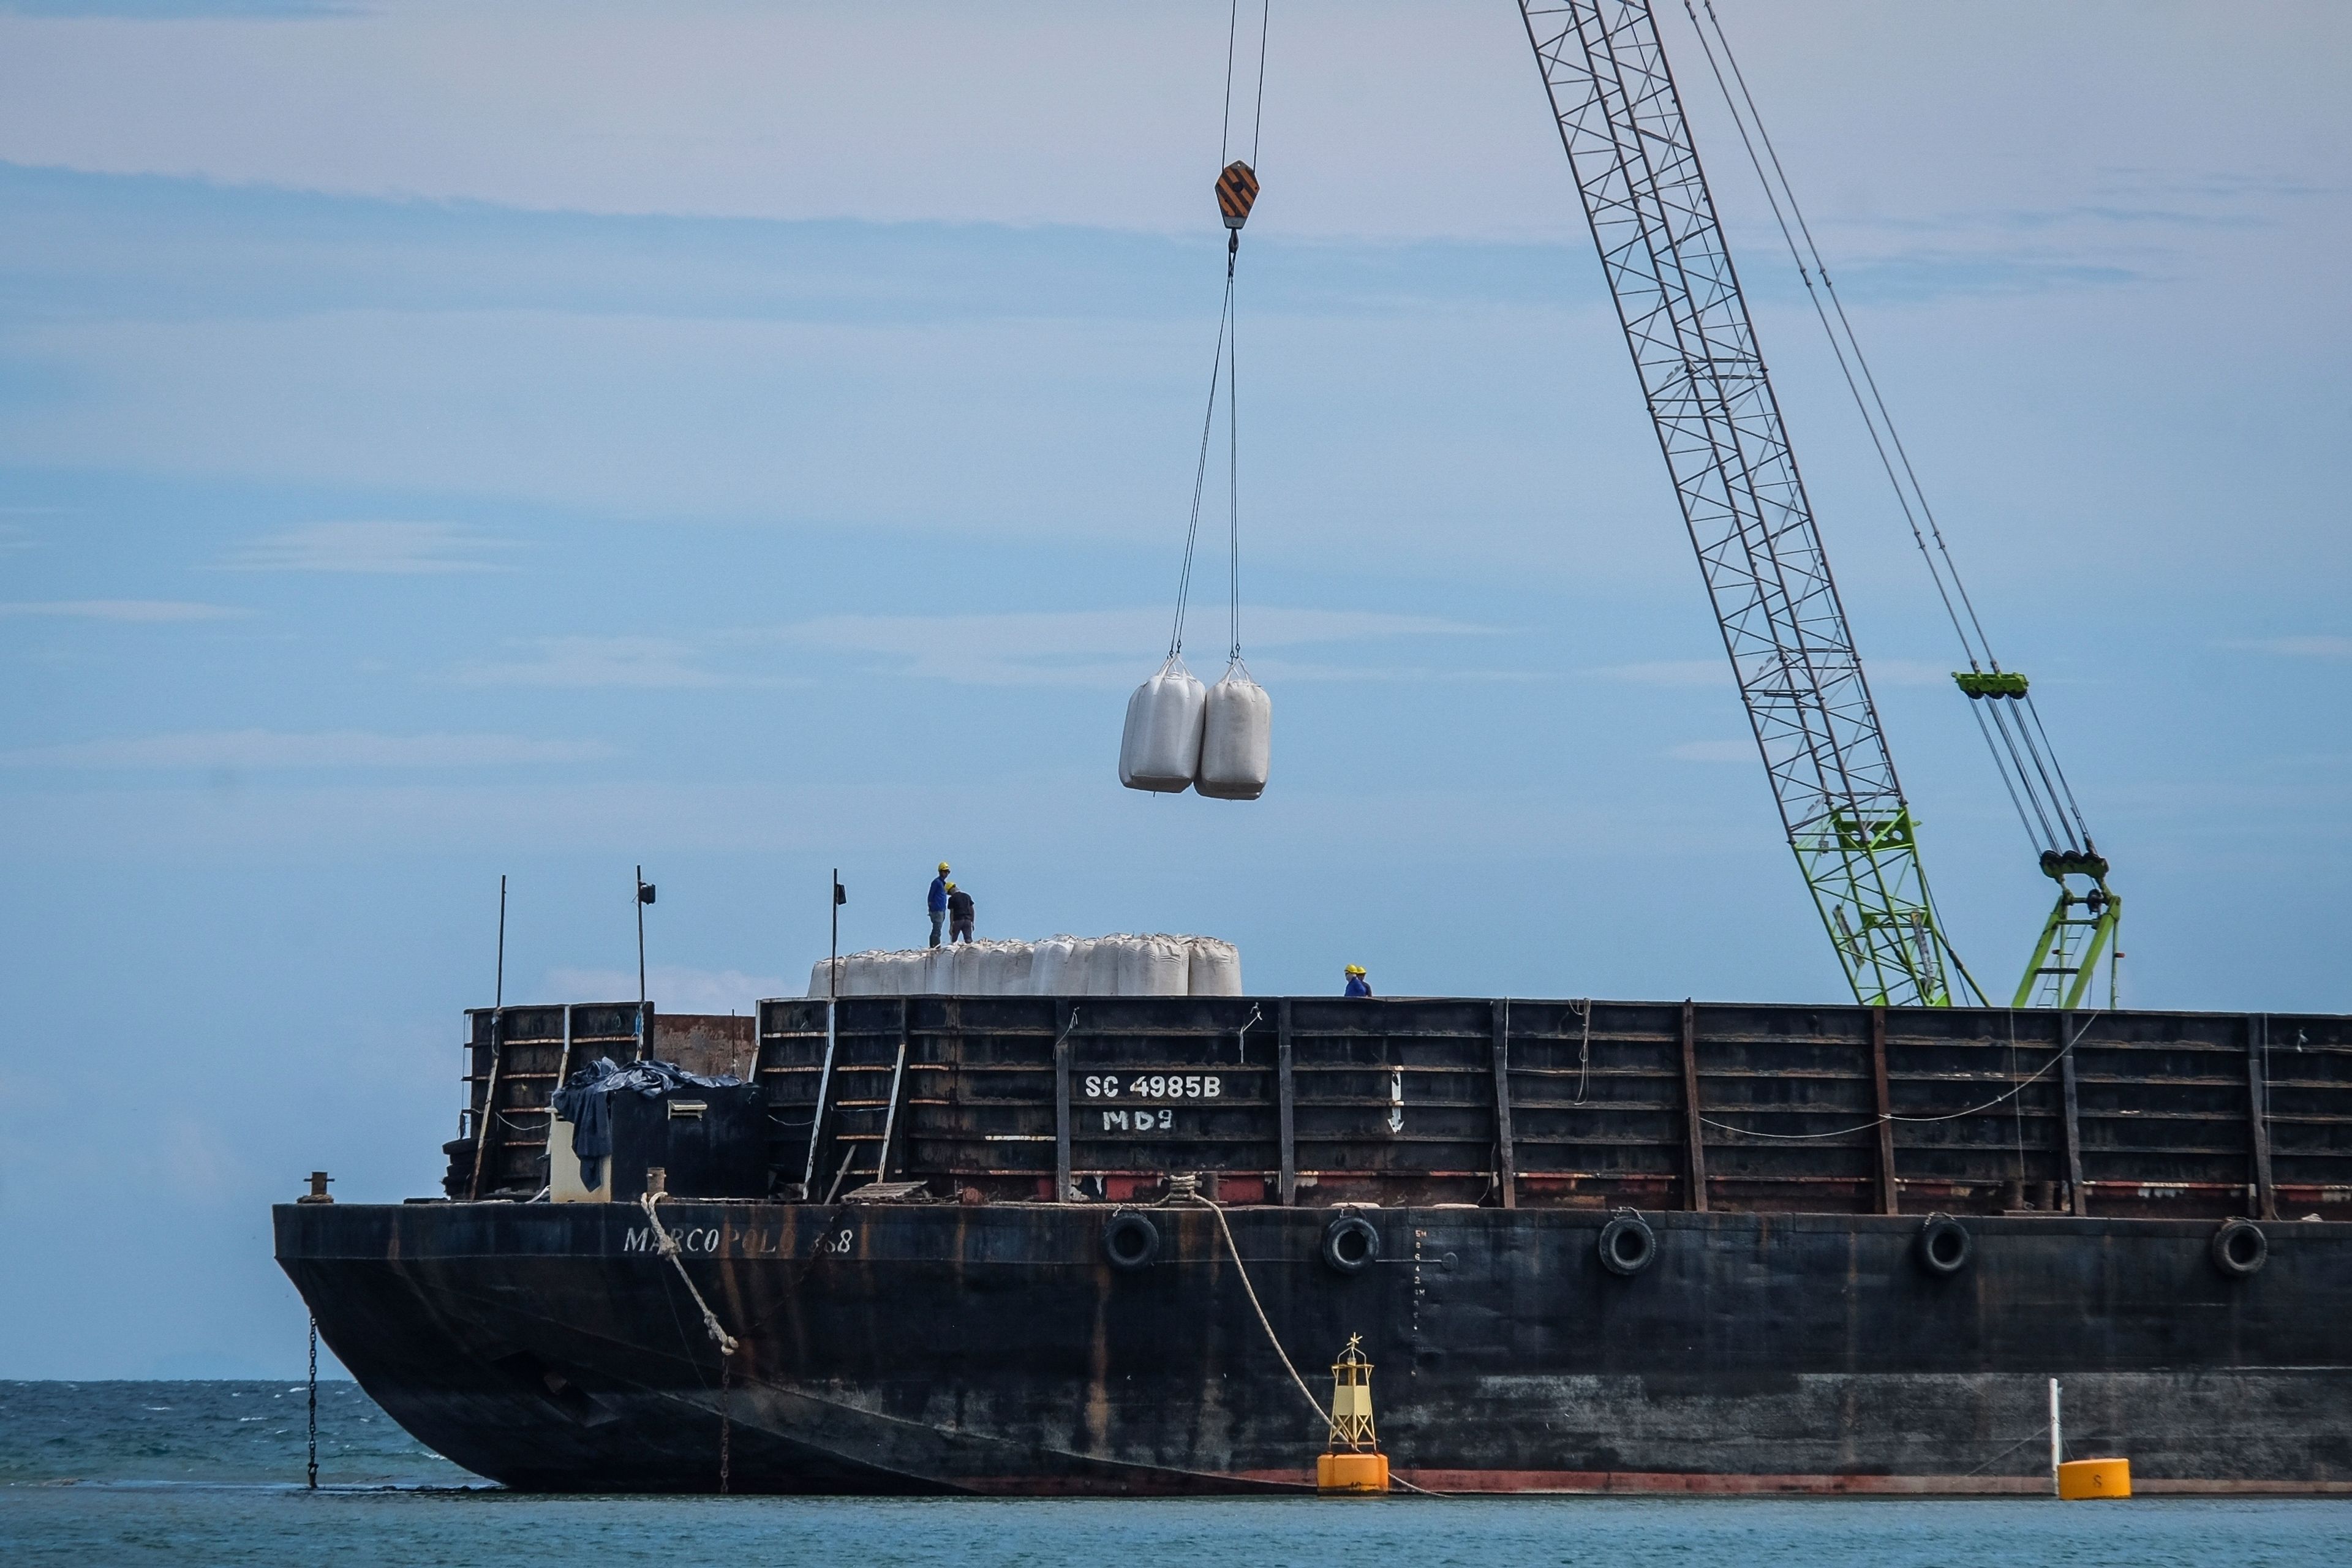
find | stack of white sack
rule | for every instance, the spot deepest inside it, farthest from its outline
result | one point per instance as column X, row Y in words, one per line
column 1179, row 737
column 1157, row 966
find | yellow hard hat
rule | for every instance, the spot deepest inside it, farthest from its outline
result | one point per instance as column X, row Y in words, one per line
column 951, row 887
column 1355, row 968
column 943, row 865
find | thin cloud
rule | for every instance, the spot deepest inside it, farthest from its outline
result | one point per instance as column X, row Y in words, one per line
column 376, row 548
column 1684, row 672
column 145, row 611
column 636, row 663
column 2319, row 646
column 267, row 749
column 1712, row 750
column 1088, row 648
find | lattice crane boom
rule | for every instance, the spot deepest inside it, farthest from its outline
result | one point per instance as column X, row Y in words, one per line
column 1743, row 500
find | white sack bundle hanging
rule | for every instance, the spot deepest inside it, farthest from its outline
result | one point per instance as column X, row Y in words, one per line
column 1161, row 749
column 1236, row 737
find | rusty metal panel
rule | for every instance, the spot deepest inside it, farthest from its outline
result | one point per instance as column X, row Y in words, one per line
column 1399, row 1100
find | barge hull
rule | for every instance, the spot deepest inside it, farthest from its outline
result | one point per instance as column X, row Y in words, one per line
column 994, row 1349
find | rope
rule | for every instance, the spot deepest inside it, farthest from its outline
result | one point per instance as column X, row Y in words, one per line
column 1321, row 1414
column 726, row 1341
column 1233, row 459
column 2012, row 1092
column 1224, row 362
column 1862, row 385
column 668, row 1244
column 1250, row 1290
column 1584, row 1047
column 1201, row 471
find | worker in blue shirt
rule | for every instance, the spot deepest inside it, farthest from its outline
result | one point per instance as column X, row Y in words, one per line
column 938, row 901
column 1357, row 985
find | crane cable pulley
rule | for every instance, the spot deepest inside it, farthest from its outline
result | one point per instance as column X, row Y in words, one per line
column 1237, row 188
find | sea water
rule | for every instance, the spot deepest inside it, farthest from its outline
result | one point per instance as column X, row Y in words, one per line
column 201, row 1473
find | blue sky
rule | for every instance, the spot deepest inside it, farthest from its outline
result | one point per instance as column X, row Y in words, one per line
column 444, row 441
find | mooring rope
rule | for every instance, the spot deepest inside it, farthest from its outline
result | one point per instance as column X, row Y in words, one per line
column 726, row 1341
column 1250, row 1290
column 1263, row 1322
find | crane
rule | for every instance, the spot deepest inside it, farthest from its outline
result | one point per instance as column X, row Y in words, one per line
column 1743, row 502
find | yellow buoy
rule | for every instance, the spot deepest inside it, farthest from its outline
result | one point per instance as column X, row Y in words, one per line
column 1352, row 1464
column 2079, row 1479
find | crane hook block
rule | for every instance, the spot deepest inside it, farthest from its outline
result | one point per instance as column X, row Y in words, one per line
column 1237, row 192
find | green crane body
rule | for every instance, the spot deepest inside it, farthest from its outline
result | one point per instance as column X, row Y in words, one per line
column 1719, row 427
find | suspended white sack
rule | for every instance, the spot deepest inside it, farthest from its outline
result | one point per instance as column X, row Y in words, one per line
column 1055, row 969
column 1103, row 959
column 1153, row 967
column 1214, row 968
column 1161, row 749
column 1236, row 736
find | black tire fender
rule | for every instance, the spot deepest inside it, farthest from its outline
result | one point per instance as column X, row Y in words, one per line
column 1943, row 1246
column 1130, row 1242
column 2239, row 1248
column 1351, row 1244
column 1628, row 1246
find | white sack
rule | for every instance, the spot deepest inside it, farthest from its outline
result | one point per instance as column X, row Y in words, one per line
column 1160, row 748
column 1103, row 956
column 862, row 973
column 1236, row 737
column 903, row 974
column 857, row 976
column 1015, row 962
column 966, row 969
column 1057, row 970
column 939, row 972
column 1214, row 968
column 1153, row 967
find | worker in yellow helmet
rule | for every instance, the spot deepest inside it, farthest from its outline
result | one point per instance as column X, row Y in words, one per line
column 1357, row 985
column 939, row 902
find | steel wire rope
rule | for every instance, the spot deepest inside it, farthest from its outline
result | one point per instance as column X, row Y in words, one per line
column 2015, row 1089
column 2060, row 799
column 1233, row 471
column 1774, row 196
column 1201, row 470
column 1228, row 329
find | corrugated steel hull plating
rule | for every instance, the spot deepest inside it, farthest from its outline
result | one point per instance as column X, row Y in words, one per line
column 993, row 1348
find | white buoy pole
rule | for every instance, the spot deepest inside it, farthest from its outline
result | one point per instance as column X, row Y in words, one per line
column 2056, row 1441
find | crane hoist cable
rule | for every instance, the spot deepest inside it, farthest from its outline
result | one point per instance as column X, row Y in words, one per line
column 2001, row 701
column 1237, row 189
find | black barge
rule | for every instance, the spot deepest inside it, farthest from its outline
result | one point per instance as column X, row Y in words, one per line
column 1589, row 1245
